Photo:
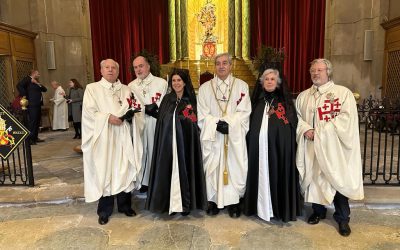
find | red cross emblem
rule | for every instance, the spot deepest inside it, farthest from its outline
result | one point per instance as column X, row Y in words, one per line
column 281, row 113
column 329, row 110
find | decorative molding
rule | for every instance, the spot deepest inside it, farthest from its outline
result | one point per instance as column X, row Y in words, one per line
column 16, row 30
column 391, row 23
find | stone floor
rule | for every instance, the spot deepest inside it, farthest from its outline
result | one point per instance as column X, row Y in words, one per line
column 53, row 215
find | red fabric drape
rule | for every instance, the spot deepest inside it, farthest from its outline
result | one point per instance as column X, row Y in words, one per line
column 298, row 27
column 121, row 28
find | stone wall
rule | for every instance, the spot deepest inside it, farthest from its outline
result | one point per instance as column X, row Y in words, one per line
column 67, row 23
column 346, row 22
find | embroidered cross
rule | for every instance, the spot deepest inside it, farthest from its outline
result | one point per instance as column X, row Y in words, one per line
column 241, row 98
column 155, row 98
column 329, row 110
column 281, row 113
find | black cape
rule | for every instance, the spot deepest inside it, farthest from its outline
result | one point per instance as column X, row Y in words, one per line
column 191, row 173
column 284, row 179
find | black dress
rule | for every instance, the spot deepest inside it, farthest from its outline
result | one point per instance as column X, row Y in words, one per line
column 191, row 173
column 284, row 179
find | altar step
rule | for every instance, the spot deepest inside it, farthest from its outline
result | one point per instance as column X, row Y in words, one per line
column 241, row 69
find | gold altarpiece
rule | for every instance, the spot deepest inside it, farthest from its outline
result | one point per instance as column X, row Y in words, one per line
column 187, row 33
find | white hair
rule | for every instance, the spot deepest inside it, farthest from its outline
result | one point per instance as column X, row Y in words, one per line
column 328, row 64
column 223, row 54
column 104, row 61
column 269, row 71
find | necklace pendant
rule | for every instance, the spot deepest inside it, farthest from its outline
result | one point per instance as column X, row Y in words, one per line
column 120, row 102
column 144, row 92
column 224, row 97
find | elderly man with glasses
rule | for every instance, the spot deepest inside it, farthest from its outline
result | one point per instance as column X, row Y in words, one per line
column 328, row 154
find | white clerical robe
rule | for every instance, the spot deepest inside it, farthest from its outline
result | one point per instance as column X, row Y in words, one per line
column 332, row 162
column 60, row 111
column 111, row 153
column 237, row 116
column 147, row 91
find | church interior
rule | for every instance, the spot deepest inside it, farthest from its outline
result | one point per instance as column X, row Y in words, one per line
column 66, row 39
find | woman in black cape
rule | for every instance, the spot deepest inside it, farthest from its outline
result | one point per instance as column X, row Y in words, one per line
column 177, row 182
column 272, row 188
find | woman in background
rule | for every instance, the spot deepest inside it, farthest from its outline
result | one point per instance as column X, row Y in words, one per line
column 75, row 98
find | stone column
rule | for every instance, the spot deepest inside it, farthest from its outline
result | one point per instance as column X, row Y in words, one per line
column 172, row 30
column 246, row 29
column 238, row 28
column 183, row 30
column 178, row 28
column 231, row 27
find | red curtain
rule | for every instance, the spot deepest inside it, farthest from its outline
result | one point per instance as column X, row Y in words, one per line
column 121, row 28
column 298, row 27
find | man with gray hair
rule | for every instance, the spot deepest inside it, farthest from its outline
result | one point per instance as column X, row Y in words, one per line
column 111, row 162
column 328, row 153
column 223, row 110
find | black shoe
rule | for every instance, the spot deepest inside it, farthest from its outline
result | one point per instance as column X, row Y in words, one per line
column 212, row 208
column 128, row 212
column 315, row 218
column 172, row 214
column 185, row 213
column 103, row 219
column 31, row 142
column 76, row 136
column 234, row 211
column 143, row 189
column 39, row 140
column 344, row 229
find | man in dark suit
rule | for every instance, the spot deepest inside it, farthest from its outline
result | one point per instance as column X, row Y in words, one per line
column 30, row 87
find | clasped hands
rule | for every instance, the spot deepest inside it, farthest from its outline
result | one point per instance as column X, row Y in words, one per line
column 129, row 115
column 151, row 110
column 309, row 134
column 223, row 127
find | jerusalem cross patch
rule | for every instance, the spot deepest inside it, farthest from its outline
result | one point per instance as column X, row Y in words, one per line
column 329, row 110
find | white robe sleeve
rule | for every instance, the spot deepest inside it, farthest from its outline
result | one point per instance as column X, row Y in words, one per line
column 337, row 148
column 238, row 122
column 305, row 148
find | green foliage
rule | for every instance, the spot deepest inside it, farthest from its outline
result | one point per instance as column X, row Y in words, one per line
column 152, row 59
column 269, row 57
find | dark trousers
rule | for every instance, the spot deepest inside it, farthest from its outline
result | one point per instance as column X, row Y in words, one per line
column 106, row 203
column 342, row 208
column 34, row 115
column 77, row 127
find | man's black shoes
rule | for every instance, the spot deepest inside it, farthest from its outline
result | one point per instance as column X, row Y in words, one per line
column 128, row 212
column 103, row 219
column 234, row 211
column 212, row 208
column 344, row 229
column 315, row 218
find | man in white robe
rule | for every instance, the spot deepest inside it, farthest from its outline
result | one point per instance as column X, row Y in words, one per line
column 328, row 153
column 223, row 110
column 111, row 161
column 60, row 110
column 148, row 91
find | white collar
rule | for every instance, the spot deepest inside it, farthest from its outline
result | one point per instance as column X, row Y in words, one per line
column 323, row 88
column 149, row 78
column 227, row 81
column 111, row 86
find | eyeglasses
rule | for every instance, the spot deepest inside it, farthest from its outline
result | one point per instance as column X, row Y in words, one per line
column 313, row 71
